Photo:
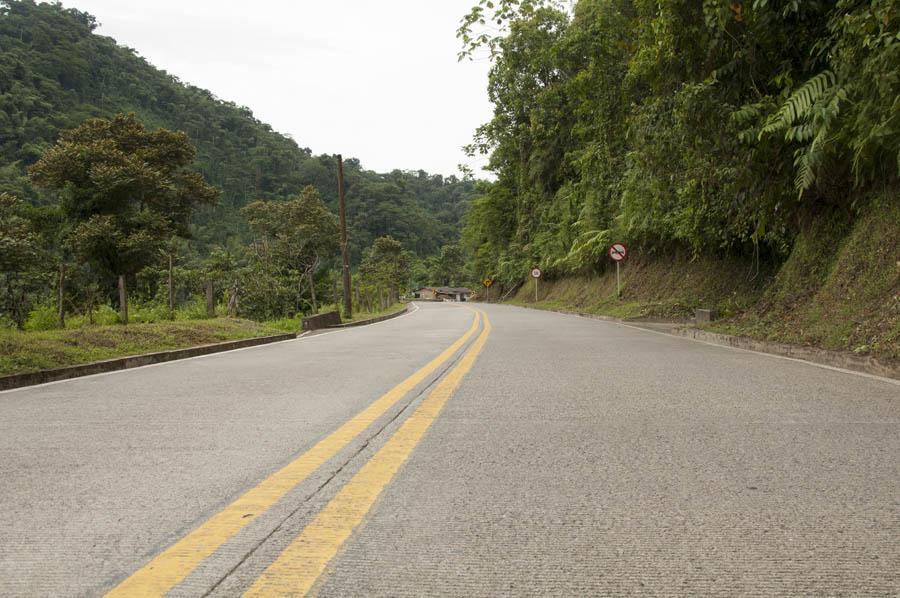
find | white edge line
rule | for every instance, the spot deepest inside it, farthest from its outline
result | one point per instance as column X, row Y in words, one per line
column 764, row 354
column 696, row 340
column 174, row 361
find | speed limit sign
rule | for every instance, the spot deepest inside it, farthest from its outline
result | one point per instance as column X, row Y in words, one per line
column 536, row 273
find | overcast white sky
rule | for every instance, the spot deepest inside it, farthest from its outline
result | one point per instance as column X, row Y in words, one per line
column 376, row 80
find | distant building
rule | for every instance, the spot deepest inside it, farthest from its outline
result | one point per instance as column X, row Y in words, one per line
column 424, row 293
column 442, row 293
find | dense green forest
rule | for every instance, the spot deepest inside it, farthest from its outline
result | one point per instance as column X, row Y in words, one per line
column 56, row 74
column 716, row 125
column 760, row 132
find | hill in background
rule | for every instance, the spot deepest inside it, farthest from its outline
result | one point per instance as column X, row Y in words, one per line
column 55, row 72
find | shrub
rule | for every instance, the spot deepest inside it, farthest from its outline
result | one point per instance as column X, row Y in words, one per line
column 195, row 309
column 148, row 313
column 43, row 316
column 105, row 316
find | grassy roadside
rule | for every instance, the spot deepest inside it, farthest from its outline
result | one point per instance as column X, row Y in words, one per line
column 360, row 316
column 29, row 351
column 294, row 324
column 22, row 352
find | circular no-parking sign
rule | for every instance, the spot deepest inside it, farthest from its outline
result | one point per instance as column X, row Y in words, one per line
column 618, row 251
column 536, row 273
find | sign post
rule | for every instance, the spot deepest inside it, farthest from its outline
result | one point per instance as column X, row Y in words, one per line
column 487, row 282
column 618, row 252
column 536, row 275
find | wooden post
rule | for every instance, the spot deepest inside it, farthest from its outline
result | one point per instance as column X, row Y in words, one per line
column 334, row 291
column 618, row 283
column 233, row 299
column 171, row 287
column 62, row 292
column 210, row 300
column 123, row 300
column 345, row 251
column 312, row 292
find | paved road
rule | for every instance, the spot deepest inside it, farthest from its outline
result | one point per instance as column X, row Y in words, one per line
column 549, row 455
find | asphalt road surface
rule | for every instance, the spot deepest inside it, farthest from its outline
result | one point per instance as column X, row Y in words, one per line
column 460, row 450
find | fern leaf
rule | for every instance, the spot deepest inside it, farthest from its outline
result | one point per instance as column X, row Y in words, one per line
column 800, row 103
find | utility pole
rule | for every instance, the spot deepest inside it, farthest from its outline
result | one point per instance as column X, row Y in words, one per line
column 345, row 254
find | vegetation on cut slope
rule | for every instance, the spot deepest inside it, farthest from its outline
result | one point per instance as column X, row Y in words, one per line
column 840, row 288
column 664, row 287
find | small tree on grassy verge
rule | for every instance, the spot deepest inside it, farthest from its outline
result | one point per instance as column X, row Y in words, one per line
column 386, row 266
column 125, row 191
column 295, row 236
column 20, row 259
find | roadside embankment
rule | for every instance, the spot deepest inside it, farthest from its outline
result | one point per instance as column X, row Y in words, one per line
column 22, row 352
column 839, row 289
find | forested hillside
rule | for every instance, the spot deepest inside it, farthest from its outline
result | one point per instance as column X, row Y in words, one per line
column 55, row 73
column 757, row 137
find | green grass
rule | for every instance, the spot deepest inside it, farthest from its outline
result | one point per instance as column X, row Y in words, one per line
column 36, row 350
column 32, row 350
column 294, row 324
column 359, row 316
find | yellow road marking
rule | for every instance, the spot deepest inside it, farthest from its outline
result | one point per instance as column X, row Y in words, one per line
column 171, row 566
column 298, row 567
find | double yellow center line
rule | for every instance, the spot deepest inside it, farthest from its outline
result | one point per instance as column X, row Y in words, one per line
column 305, row 559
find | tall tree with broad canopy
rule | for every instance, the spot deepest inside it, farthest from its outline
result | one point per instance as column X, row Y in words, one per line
column 125, row 190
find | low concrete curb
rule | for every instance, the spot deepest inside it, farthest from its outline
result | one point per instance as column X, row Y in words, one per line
column 847, row 361
column 319, row 321
column 133, row 361
column 837, row 359
column 373, row 320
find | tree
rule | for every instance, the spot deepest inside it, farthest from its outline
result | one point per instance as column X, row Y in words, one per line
column 20, row 259
column 294, row 236
column 386, row 266
column 451, row 265
column 676, row 125
column 125, row 191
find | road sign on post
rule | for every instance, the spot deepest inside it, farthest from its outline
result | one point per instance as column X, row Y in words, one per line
column 618, row 252
column 536, row 275
column 487, row 282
